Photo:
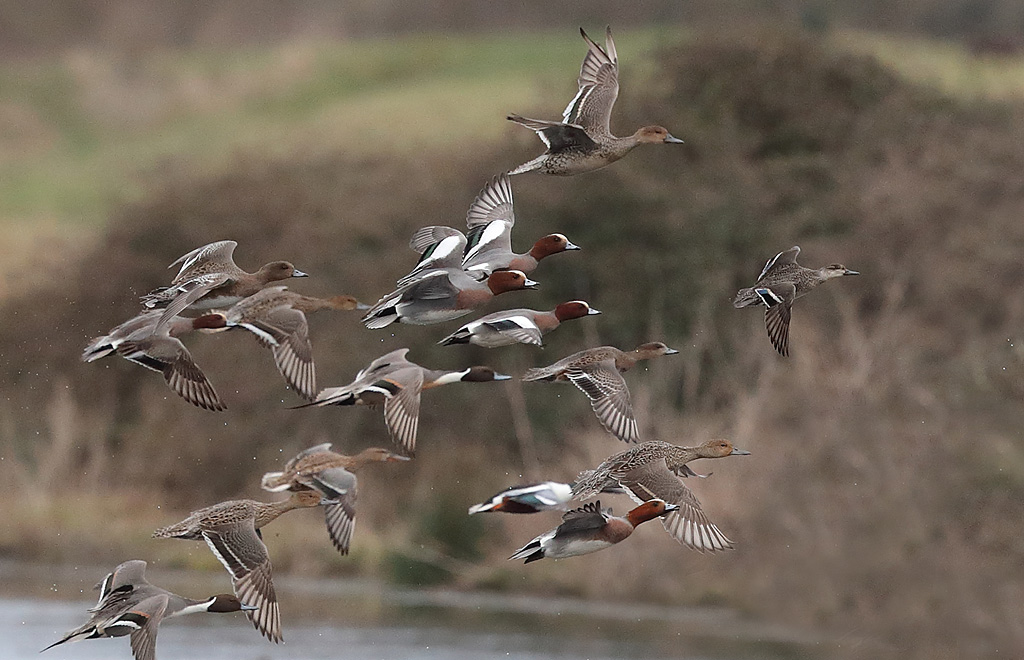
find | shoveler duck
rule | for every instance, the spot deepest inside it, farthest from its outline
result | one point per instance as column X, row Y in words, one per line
column 209, row 279
column 532, row 498
column 523, row 326
column 277, row 317
column 442, row 295
column 783, row 280
column 652, row 470
column 395, row 382
column 598, row 373
column 130, row 605
column 231, row 530
column 488, row 245
column 589, row 529
column 333, row 476
column 583, row 140
column 152, row 341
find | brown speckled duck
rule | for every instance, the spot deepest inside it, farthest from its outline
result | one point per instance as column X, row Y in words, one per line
column 652, row 470
column 783, row 280
column 332, row 475
column 583, row 140
column 598, row 373
column 230, row 529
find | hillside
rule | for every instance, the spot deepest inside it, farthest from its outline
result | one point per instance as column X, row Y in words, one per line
column 882, row 497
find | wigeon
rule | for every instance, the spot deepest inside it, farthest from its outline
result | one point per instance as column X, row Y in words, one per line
column 783, row 280
column 209, row 279
column 523, row 326
column 442, row 295
column 598, row 373
column 590, row 529
column 583, row 141
column 333, row 476
column 653, row 470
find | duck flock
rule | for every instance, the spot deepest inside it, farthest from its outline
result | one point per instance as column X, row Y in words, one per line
column 456, row 274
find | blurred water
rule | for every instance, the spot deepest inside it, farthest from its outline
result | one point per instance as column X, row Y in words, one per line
column 357, row 620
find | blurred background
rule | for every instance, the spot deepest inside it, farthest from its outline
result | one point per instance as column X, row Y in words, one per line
column 879, row 515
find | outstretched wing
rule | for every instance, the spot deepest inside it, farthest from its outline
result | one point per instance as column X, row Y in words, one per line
column 591, row 108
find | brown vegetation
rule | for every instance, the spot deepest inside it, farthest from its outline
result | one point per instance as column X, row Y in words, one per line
column 883, row 498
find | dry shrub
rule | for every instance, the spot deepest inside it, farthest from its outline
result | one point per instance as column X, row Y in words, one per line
column 882, row 501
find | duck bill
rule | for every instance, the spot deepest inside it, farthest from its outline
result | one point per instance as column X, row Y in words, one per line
column 329, row 502
column 592, row 311
column 671, row 351
column 248, row 608
column 299, row 273
column 498, row 376
column 362, row 306
column 739, row 452
column 569, row 245
column 669, row 508
column 395, row 458
column 851, row 272
column 671, row 139
column 530, row 284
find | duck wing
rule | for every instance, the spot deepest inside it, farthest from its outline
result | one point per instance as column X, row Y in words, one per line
column 339, row 484
column 494, row 203
column 244, row 555
column 293, row 352
column 402, row 408
column 782, row 258
column 146, row 616
column 439, row 247
column 218, row 255
column 778, row 300
column 689, row 525
column 170, row 357
column 609, row 397
column 556, row 135
column 591, row 108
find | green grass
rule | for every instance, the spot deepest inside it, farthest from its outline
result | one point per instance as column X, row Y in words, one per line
column 83, row 131
column 88, row 124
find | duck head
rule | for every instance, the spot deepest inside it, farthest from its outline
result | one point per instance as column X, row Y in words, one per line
column 574, row 309
column 656, row 135
column 509, row 280
column 278, row 270
column 551, row 244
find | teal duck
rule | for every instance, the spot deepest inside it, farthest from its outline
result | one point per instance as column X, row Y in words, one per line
column 783, row 280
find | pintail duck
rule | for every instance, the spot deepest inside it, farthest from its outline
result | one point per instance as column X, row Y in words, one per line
column 488, row 245
column 653, row 470
column 781, row 282
column 277, row 317
column 583, row 141
column 598, row 373
column 209, row 279
column 333, row 476
column 533, row 498
column 231, row 529
column 130, row 605
column 395, row 382
column 590, row 529
column 524, row 326
column 442, row 295
column 152, row 341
